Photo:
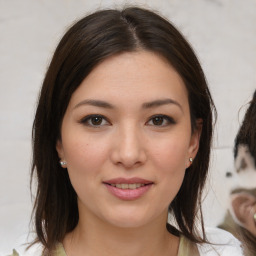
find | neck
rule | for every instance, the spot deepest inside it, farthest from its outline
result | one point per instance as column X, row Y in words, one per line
column 95, row 237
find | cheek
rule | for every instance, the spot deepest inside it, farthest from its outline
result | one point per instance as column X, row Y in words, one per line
column 170, row 161
column 85, row 159
column 84, row 155
column 171, row 155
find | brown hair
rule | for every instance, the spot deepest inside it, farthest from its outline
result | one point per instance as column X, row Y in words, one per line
column 247, row 132
column 87, row 43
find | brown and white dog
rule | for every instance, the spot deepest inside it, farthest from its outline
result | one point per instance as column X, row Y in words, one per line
column 240, row 218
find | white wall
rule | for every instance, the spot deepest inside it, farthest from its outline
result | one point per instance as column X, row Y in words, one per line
column 222, row 32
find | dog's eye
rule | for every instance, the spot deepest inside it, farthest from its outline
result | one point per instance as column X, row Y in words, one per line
column 228, row 174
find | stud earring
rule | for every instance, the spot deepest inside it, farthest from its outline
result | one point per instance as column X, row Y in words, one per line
column 190, row 161
column 62, row 163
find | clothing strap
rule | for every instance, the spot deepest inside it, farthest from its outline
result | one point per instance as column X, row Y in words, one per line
column 187, row 248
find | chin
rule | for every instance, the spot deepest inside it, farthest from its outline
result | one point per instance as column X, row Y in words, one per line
column 132, row 219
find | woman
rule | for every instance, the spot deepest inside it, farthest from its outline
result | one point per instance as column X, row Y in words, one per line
column 122, row 136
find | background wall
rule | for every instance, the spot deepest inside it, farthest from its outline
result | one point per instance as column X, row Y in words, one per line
column 222, row 33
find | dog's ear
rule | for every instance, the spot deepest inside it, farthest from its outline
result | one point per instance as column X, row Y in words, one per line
column 242, row 209
column 244, row 160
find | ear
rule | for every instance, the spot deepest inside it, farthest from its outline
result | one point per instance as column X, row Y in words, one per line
column 195, row 139
column 59, row 149
column 242, row 209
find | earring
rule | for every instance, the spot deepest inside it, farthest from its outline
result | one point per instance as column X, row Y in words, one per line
column 62, row 163
column 190, row 161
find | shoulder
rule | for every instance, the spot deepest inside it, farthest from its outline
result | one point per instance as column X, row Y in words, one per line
column 222, row 243
column 37, row 250
column 14, row 253
column 23, row 251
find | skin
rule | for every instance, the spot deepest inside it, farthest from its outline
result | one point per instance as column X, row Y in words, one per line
column 128, row 142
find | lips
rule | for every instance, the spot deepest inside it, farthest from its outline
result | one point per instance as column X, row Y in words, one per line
column 128, row 181
column 128, row 186
column 128, row 189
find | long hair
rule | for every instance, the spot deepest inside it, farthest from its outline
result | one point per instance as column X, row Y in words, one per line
column 87, row 43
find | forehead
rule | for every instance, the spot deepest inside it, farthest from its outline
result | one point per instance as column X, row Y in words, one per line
column 136, row 76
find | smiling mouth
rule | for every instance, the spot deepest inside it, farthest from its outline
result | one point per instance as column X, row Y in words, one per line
column 128, row 189
column 128, row 186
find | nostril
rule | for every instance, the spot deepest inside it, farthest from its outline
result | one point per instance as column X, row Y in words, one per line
column 228, row 174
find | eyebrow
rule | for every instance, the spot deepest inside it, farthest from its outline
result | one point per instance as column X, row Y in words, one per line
column 146, row 105
column 160, row 102
column 96, row 103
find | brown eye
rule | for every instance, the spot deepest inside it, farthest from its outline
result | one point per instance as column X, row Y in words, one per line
column 158, row 120
column 161, row 120
column 97, row 120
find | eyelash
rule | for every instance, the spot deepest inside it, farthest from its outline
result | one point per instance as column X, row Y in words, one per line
column 166, row 118
column 88, row 120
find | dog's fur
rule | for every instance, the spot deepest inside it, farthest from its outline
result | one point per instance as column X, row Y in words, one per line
column 245, row 175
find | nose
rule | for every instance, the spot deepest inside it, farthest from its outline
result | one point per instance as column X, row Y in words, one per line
column 129, row 148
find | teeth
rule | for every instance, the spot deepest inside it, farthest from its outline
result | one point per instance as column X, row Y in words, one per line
column 124, row 186
column 128, row 186
column 132, row 186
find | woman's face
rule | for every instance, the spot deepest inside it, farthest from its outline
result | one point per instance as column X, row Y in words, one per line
column 126, row 138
